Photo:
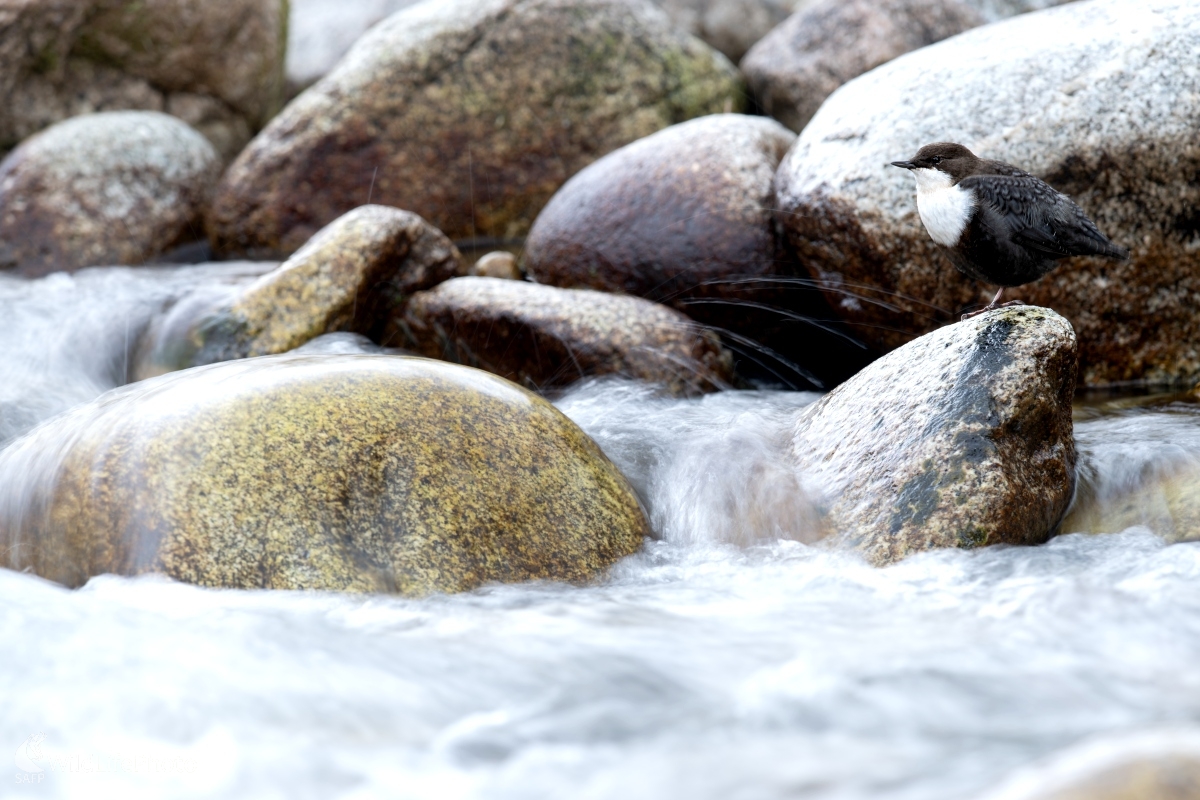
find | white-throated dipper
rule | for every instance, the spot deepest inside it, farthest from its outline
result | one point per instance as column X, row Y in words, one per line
column 997, row 223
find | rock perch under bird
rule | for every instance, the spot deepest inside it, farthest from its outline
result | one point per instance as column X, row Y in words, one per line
column 999, row 224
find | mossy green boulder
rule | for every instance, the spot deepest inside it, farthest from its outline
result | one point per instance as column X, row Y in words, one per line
column 471, row 113
column 346, row 473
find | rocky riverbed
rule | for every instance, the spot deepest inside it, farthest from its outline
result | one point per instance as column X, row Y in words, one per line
column 591, row 415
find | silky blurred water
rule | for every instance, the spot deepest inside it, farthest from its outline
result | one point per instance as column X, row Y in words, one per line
column 730, row 659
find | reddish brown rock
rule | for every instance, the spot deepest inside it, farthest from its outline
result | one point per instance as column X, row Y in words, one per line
column 219, row 66
column 543, row 337
column 114, row 188
column 1088, row 96
column 470, row 113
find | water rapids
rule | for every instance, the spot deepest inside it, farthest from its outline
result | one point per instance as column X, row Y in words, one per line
column 732, row 658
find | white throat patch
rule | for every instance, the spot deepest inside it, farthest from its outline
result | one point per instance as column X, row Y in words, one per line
column 944, row 208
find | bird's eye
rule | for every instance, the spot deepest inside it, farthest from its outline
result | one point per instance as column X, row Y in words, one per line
column 936, row 159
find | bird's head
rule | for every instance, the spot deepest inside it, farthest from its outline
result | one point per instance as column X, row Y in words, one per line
column 947, row 157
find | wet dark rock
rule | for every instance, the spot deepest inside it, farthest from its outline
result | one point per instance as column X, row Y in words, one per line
column 116, row 188
column 543, row 337
column 351, row 276
column 961, row 438
column 685, row 217
column 798, row 64
column 1088, row 96
column 470, row 113
column 218, row 66
column 346, row 473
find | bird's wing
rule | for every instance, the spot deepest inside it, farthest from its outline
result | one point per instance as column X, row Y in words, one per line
column 1038, row 217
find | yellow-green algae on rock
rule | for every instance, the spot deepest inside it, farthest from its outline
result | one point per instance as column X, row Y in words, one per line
column 354, row 473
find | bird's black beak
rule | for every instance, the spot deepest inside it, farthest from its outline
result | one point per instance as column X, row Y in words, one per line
column 904, row 164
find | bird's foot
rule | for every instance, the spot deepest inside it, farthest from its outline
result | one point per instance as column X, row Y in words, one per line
column 991, row 307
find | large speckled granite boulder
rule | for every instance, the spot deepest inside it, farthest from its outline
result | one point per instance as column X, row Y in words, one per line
column 543, row 337
column 962, row 438
column 798, row 64
column 349, row 277
column 347, row 473
column 470, row 113
column 115, row 188
column 216, row 65
column 685, row 217
column 1100, row 99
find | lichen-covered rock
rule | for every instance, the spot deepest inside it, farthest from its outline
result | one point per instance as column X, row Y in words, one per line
column 801, row 62
column 1099, row 98
column 685, row 217
column 961, row 438
column 351, row 276
column 219, row 66
column 348, row 473
column 731, row 26
column 470, row 113
column 114, row 188
column 542, row 336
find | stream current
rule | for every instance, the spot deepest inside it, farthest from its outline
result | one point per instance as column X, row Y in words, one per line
column 730, row 659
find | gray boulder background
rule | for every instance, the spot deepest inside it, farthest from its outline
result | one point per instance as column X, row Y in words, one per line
column 470, row 113
column 1099, row 98
column 120, row 187
column 216, row 65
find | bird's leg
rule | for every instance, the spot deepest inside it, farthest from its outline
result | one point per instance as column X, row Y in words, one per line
column 994, row 304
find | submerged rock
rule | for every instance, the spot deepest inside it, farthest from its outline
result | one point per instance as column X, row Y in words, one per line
column 962, row 438
column 218, row 66
column 115, row 188
column 350, row 473
column 350, row 277
column 801, row 62
column 1155, row 765
column 1099, row 98
column 542, row 336
column 470, row 113
column 1167, row 504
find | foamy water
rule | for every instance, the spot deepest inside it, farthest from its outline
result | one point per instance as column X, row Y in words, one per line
column 769, row 668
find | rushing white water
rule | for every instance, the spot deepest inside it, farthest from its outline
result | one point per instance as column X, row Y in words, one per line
column 730, row 659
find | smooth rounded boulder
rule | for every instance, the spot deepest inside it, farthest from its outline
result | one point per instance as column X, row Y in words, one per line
column 352, row 276
column 343, row 473
column 470, row 113
column 961, row 438
column 731, row 26
column 1092, row 98
column 685, row 217
column 544, row 337
column 217, row 66
column 115, row 188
